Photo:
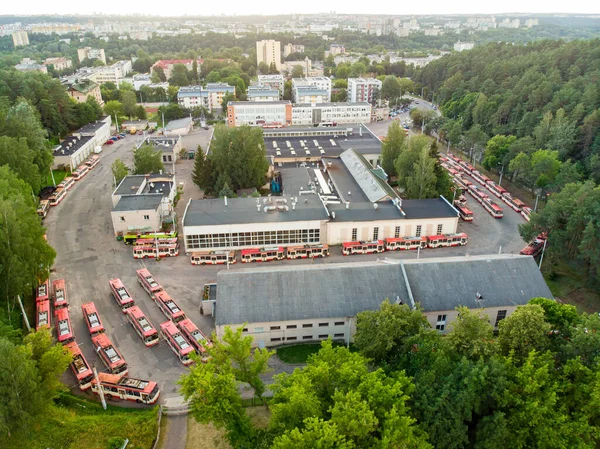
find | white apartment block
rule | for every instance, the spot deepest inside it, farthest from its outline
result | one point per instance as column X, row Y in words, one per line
column 58, row 63
column 288, row 49
column 269, row 51
column 258, row 113
column 272, row 81
column 363, row 89
column 113, row 73
column 340, row 113
column 462, row 46
column 209, row 97
column 91, row 53
column 311, row 90
column 20, row 38
column 336, row 49
column 262, row 93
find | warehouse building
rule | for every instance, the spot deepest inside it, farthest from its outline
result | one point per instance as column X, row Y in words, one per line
column 288, row 304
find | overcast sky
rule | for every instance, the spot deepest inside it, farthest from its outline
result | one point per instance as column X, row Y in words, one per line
column 241, row 7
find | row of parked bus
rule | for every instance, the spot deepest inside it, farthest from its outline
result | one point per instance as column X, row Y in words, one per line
column 265, row 254
column 145, row 248
column 65, row 185
column 404, row 243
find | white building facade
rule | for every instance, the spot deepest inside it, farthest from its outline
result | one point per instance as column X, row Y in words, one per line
column 317, row 87
column 269, row 52
column 363, row 89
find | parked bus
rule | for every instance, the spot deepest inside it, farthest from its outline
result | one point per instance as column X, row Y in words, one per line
column 307, row 251
column 194, row 335
column 92, row 319
column 534, row 248
column 526, row 213
column 58, row 195
column 64, row 330
column 437, row 241
column 465, row 213
column 495, row 210
column 514, row 203
column 42, row 315
column 42, row 293
column 111, row 358
column 80, row 367
column 120, row 293
column 150, row 251
column 350, row 248
column 262, row 254
column 177, row 342
column 130, row 239
column 161, row 241
column 212, row 257
column 142, row 326
column 92, row 161
column 168, row 307
column 60, row 293
column 402, row 243
column 81, row 171
column 67, row 183
column 148, row 282
column 497, row 190
column 128, row 388
column 43, row 208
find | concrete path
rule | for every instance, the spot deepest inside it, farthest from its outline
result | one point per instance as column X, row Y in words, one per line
column 176, row 434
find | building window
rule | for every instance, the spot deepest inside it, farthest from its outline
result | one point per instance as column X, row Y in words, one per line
column 439, row 229
column 307, row 325
column 146, row 217
column 323, row 336
column 418, row 233
column 291, row 326
column 307, row 337
column 245, row 329
column 122, row 218
column 501, row 315
column 375, row 233
column 441, row 323
column 275, row 328
column 258, row 330
column 275, row 339
column 354, row 234
column 292, row 338
column 323, row 324
column 397, row 232
column 339, row 323
column 338, row 335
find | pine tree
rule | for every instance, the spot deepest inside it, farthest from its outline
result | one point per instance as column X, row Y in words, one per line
column 199, row 163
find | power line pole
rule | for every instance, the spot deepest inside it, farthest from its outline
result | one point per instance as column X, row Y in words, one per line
column 100, row 390
column 24, row 314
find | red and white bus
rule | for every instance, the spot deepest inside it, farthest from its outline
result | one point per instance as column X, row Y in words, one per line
column 168, row 307
column 42, row 315
column 262, row 254
column 142, row 326
column 150, row 251
column 438, row 241
column 67, row 183
column 495, row 210
column 194, row 335
column 92, row 161
column 80, row 367
column 497, row 190
column 120, row 293
column 92, row 319
column 466, row 166
column 526, row 213
column 154, row 242
column 43, row 208
column 117, row 387
column 533, row 249
column 212, row 257
column 60, row 293
column 402, row 243
column 81, row 171
column 514, row 203
column 148, row 282
column 111, row 358
column 177, row 342
column 58, row 195
column 465, row 213
column 351, row 248
column 42, row 293
column 307, row 251
column 64, row 330
column 478, row 193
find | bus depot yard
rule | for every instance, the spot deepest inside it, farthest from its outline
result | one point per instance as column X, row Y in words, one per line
column 89, row 256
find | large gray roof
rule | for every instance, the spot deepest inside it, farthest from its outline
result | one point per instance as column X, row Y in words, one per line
column 307, row 291
column 139, row 202
column 374, row 188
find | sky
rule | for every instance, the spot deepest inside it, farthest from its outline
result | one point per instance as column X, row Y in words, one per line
column 243, row 7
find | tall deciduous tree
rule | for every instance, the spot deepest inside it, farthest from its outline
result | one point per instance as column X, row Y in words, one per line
column 421, row 184
column 147, row 159
column 119, row 170
column 129, row 103
column 391, row 148
column 390, row 88
column 113, row 108
column 523, row 331
column 20, row 158
column 472, row 334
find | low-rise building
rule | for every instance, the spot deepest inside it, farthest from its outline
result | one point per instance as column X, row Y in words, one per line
column 29, row 65
column 288, row 49
column 363, row 90
column 306, row 65
column 140, row 80
column 210, row 97
column 462, row 46
column 83, row 89
column 75, row 149
column 167, row 65
column 336, row 49
column 261, row 93
column 58, row 63
column 272, row 81
column 311, row 90
column 170, row 146
column 99, row 131
column 112, row 73
column 330, row 113
column 91, row 53
column 179, row 127
column 259, row 113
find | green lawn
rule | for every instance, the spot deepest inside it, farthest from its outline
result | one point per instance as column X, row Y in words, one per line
column 299, row 353
column 59, row 175
column 569, row 283
column 74, row 423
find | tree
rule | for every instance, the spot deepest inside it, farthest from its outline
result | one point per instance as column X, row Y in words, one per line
column 20, row 158
column 273, row 69
column 129, row 103
column 406, row 86
column 317, row 433
column 146, row 159
column 225, row 101
column 523, row 331
column 158, row 72
column 287, row 90
column 195, row 75
column 263, row 68
column 119, row 171
column 404, row 163
column 391, row 147
column 567, row 174
column 179, row 75
column 390, row 89
column 114, row 108
column 140, row 112
column 496, row 150
column 421, row 184
column 297, row 72
column 471, row 334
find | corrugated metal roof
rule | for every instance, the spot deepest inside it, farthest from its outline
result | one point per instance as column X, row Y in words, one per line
column 374, row 188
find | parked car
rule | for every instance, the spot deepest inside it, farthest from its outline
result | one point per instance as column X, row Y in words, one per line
column 114, row 139
column 206, row 128
column 140, row 132
column 122, row 135
column 108, row 142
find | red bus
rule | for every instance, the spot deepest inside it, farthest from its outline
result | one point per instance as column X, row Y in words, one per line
column 402, row 243
column 142, row 326
column 168, row 307
column 212, row 257
column 495, row 210
column 64, row 330
column 350, row 248
column 117, row 387
column 81, row 171
column 497, row 190
column 150, row 251
column 42, row 293
column 92, row 319
column 92, row 161
column 478, row 194
column 154, row 242
column 58, row 195
column 466, row 166
column 437, row 241
column 533, row 249
column 80, row 367
column 465, row 213
column 262, row 254
column 194, row 335
column 43, row 208
column 514, row 203
column 111, row 358
column 66, row 183
column 148, row 282
column 60, row 294
column 177, row 342
column 120, row 293
column 307, row 251
column 526, row 213
column 42, row 316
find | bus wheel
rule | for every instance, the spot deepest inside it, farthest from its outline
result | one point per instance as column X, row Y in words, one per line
column 203, row 263
column 139, row 401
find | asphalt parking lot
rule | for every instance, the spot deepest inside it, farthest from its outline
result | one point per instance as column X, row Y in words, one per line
column 88, row 256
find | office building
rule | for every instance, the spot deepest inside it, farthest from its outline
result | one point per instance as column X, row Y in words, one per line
column 363, row 90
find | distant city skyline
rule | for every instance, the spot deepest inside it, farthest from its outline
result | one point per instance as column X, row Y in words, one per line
column 433, row 7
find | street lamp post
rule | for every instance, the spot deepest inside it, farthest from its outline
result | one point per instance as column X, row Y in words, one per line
column 501, row 173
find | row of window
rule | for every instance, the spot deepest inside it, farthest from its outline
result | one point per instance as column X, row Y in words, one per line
column 258, row 238
column 397, row 231
column 307, row 337
column 441, row 320
column 258, row 330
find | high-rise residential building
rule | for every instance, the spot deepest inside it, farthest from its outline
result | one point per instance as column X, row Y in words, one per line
column 292, row 48
column 91, row 53
column 363, row 89
column 269, row 52
column 20, row 38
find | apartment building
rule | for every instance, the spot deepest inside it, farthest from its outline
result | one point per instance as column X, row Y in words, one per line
column 58, row 63
column 288, row 49
column 20, row 38
column 272, row 81
column 82, row 90
column 269, row 52
column 340, row 113
column 91, row 53
column 336, row 49
column 363, row 90
column 311, row 90
column 29, row 65
column 210, row 97
column 112, row 73
column 262, row 93
column 168, row 64
column 259, row 113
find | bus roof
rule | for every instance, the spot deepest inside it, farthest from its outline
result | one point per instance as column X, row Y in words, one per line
column 171, row 330
column 129, row 382
column 137, row 314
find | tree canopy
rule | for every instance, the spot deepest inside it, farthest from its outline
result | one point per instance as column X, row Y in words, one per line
column 147, row 159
